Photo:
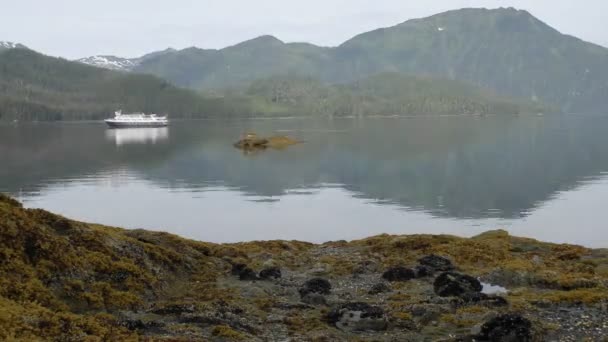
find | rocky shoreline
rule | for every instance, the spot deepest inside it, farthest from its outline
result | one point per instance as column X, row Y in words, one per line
column 73, row 281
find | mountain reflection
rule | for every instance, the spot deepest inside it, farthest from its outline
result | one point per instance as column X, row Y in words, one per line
column 452, row 167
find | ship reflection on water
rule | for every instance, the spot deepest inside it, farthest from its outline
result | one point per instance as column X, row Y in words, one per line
column 123, row 136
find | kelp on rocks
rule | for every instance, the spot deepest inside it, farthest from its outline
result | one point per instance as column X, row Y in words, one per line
column 67, row 280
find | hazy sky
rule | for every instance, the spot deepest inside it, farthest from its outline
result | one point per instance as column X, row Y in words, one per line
column 129, row 28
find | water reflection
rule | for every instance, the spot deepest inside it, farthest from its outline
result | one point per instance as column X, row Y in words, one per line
column 349, row 174
column 122, row 136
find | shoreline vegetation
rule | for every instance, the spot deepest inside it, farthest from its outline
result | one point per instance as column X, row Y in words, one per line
column 67, row 280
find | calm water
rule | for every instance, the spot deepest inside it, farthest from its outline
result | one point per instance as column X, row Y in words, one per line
column 542, row 177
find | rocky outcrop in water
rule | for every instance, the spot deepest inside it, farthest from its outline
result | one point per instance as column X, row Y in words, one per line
column 252, row 142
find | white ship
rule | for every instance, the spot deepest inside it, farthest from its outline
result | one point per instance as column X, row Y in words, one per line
column 121, row 120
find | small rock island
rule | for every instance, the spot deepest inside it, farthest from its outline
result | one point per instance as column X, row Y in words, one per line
column 72, row 281
column 252, row 142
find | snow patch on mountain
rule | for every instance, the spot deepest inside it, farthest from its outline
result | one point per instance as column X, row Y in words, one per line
column 120, row 63
column 11, row 45
column 110, row 62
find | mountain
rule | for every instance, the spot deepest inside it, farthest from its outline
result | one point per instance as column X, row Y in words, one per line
column 11, row 45
column 37, row 87
column 240, row 64
column 237, row 65
column 382, row 94
column 506, row 50
column 120, row 63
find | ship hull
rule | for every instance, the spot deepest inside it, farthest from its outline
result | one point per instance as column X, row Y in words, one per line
column 115, row 124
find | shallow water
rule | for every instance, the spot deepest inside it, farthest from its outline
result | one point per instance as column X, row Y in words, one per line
column 542, row 177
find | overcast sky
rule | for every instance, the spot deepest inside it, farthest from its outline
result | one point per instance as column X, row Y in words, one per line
column 129, row 28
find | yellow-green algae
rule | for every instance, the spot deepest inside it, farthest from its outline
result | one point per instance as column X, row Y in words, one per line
column 68, row 280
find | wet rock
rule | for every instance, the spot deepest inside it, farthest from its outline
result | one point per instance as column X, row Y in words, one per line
column 450, row 284
column 399, row 273
column 483, row 299
column 506, row 328
column 237, row 269
column 380, row 288
column 315, row 285
column 314, row 299
column 419, row 310
column 248, row 274
column 174, row 309
column 436, row 262
column 422, row 271
column 358, row 317
column 270, row 273
column 243, row 272
column 120, row 276
column 138, row 324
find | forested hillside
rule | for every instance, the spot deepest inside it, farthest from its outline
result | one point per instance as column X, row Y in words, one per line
column 34, row 87
column 38, row 87
column 383, row 94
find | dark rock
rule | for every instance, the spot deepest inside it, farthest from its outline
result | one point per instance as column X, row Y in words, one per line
column 315, row 299
column 483, row 299
column 248, row 274
column 450, row 284
column 174, row 309
column 32, row 249
column 419, row 310
column 422, row 271
column 473, row 297
column 436, row 262
column 506, row 328
column 315, row 285
column 380, row 288
column 237, row 269
column 270, row 273
column 399, row 273
column 358, row 317
column 138, row 324
column 120, row 276
column 243, row 272
column 133, row 324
